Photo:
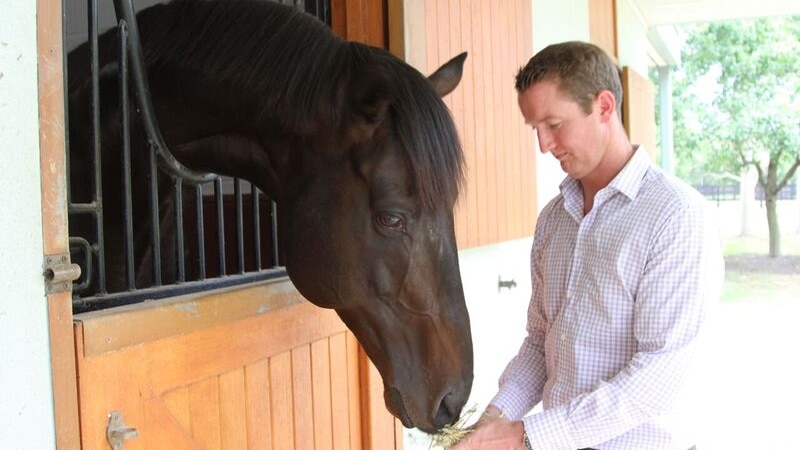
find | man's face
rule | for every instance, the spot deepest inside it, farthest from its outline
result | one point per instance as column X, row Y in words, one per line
column 563, row 128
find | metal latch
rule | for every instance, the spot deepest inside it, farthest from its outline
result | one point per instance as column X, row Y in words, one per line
column 117, row 432
column 59, row 273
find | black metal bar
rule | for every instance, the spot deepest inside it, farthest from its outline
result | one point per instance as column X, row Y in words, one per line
column 201, row 241
column 97, row 179
column 80, row 305
column 274, row 220
column 178, row 183
column 125, row 10
column 237, row 194
column 124, row 97
column 254, row 196
column 220, row 226
column 155, row 231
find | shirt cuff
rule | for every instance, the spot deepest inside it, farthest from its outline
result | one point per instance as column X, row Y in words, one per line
column 550, row 430
column 511, row 403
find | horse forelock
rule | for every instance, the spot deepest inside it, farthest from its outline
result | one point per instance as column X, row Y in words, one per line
column 426, row 129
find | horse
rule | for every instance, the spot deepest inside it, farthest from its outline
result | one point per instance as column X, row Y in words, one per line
column 354, row 145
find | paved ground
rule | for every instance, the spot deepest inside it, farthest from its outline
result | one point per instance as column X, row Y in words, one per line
column 788, row 264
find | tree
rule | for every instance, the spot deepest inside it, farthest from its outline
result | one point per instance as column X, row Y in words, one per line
column 737, row 104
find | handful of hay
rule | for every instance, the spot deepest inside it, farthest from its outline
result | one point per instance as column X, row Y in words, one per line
column 452, row 434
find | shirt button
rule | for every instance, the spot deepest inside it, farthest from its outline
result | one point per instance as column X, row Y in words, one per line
column 563, row 337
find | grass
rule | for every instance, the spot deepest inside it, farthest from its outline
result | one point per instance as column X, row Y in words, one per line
column 753, row 286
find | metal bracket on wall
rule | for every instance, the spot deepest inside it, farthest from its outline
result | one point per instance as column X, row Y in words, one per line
column 117, row 432
column 59, row 273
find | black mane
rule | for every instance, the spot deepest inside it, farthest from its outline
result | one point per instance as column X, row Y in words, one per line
column 294, row 69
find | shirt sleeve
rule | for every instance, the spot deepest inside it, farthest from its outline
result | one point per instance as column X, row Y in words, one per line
column 682, row 275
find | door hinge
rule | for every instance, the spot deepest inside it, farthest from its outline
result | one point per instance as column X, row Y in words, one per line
column 59, row 273
column 117, row 432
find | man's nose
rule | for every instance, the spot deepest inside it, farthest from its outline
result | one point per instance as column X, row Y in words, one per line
column 545, row 141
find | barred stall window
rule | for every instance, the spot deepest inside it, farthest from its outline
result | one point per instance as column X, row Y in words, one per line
column 185, row 231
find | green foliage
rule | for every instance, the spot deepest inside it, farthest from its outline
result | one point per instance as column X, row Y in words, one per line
column 737, row 98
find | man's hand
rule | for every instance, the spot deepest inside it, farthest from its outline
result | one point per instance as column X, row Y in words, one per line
column 493, row 432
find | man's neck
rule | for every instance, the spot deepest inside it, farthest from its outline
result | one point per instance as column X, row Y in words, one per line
column 612, row 164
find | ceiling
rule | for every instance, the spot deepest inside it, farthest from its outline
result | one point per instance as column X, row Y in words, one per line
column 668, row 12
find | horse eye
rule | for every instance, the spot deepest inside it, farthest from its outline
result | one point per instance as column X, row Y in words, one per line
column 390, row 221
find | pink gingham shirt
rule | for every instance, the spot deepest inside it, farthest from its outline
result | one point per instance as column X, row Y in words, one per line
column 619, row 298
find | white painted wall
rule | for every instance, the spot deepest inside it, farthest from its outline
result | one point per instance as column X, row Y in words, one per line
column 26, row 398
column 633, row 43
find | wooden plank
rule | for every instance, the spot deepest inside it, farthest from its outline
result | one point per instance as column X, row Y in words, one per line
column 161, row 429
column 54, row 216
column 281, row 401
column 232, row 410
column 107, row 384
column 172, row 362
column 321, row 394
column 467, row 132
column 257, row 386
column 379, row 424
column 478, row 56
column 357, row 441
column 492, row 146
column 177, row 403
column 603, row 25
column 303, row 398
column 204, row 410
column 112, row 329
column 639, row 109
column 339, row 379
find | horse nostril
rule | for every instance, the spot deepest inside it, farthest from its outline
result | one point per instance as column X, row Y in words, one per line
column 448, row 411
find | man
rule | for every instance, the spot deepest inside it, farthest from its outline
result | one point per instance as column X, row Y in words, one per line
column 624, row 266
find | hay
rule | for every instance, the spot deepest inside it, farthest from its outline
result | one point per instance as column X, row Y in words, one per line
column 450, row 435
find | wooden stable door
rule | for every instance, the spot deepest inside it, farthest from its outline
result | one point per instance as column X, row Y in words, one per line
column 245, row 369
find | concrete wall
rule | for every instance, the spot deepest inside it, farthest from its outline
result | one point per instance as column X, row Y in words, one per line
column 26, row 399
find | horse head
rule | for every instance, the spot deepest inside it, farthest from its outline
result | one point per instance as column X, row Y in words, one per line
column 368, row 230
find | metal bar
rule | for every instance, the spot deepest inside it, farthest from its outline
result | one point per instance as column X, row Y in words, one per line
column 83, row 208
column 86, row 248
column 237, row 194
column 178, row 183
column 155, row 231
column 168, row 162
column 254, row 195
column 81, row 305
column 124, row 97
column 220, row 225
column 97, row 179
column 201, row 241
column 274, row 220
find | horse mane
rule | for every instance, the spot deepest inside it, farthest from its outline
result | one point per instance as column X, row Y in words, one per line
column 293, row 67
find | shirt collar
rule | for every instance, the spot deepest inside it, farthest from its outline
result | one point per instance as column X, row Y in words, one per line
column 628, row 181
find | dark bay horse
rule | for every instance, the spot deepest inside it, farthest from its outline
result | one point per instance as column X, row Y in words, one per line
column 355, row 146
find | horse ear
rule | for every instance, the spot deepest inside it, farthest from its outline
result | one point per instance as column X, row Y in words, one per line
column 447, row 77
column 371, row 95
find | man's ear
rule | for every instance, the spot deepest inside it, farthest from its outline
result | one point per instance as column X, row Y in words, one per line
column 607, row 104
